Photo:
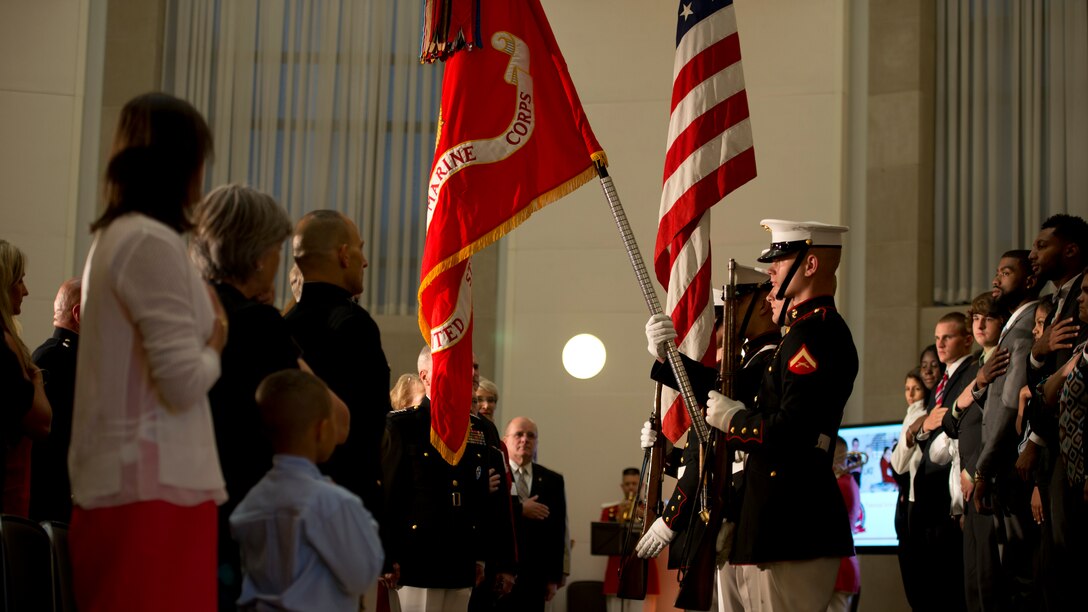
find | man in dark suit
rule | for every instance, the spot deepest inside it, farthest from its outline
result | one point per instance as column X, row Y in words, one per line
column 998, row 488
column 343, row 345
column 540, row 515
column 1058, row 255
column 936, row 536
column 50, row 491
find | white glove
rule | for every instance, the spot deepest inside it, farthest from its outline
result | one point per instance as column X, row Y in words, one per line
column 659, row 330
column 720, row 410
column 648, row 437
column 656, row 539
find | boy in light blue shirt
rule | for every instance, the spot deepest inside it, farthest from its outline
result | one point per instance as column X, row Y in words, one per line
column 306, row 543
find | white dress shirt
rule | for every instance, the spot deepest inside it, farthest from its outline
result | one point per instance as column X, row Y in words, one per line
column 943, row 451
column 142, row 427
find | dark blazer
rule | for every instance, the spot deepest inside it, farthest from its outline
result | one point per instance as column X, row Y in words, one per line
column 790, row 442
column 1070, row 310
column 1043, row 422
column 343, row 346
column 441, row 519
column 50, row 490
column 932, row 498
column 541, row 543
column 258, row 344
column 970, row 432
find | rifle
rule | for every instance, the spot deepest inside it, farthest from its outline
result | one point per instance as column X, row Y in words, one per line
column 715, row 464
column 633, row 571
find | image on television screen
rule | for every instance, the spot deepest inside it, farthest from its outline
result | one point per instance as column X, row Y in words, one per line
column 869, row 450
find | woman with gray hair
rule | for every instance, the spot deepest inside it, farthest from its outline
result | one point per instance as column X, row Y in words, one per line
column 236, row 245
column 487, row 399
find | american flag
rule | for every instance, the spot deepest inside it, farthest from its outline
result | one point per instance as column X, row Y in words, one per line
column 709, row 155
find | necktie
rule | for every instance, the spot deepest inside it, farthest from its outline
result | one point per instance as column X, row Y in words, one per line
column 939, row 396
column 523, row 485
column 1072, row 409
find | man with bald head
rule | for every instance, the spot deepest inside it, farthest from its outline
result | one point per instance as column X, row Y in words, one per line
column 540, row 515
column 50, row 491
column 343, row 345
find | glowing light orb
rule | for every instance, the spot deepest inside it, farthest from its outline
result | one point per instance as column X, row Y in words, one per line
column 584, row 356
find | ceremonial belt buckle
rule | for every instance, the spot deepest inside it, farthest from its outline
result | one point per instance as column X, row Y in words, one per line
column 456, row 499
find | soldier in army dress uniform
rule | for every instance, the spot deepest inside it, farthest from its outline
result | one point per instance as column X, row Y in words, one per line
column 445, row 523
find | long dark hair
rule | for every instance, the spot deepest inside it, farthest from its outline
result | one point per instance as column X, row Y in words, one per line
column 158, row 154
column 916, row 374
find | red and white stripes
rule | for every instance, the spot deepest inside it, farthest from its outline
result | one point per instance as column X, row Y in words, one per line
column 709, row 154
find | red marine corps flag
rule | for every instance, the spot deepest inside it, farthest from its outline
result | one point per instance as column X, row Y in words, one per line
column 709, row 155
column 512, row 138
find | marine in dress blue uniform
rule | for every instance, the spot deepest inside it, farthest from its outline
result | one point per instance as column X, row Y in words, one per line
column 759, row 341
column 790, row 438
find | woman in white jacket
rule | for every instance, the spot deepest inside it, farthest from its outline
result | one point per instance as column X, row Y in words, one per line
column 144, row 469
column 906, row 457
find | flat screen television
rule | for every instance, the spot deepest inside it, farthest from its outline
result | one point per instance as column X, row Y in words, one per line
column 875, row 530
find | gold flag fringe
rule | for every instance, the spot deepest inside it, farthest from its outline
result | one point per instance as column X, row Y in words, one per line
column 494, row 235
column 451, row 457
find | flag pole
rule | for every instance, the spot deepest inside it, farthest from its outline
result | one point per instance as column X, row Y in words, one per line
column 698, row 423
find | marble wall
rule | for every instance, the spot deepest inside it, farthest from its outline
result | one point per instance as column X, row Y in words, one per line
column 43, row 44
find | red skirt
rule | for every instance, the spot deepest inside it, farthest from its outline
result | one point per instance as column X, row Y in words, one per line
column 17, row 478
column 149, row 555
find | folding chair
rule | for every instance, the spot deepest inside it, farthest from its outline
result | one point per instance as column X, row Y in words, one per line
column 586, row 596
column 62, row 566
column 28, row 565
